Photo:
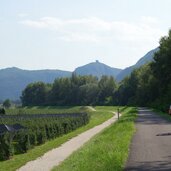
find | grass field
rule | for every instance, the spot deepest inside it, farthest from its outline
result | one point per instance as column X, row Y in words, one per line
column 107, row 151
column 101, row 114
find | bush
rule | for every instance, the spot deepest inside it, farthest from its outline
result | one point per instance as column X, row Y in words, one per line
column 23, row 141
column 6, row 148
column 2, row 111
column 7, row 103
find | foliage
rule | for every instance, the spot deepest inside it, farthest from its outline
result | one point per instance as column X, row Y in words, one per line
column 97, row 117
column 77, row 90
column 161, row 68
column 38, row 129
column 6, row 149
column 2, row 111
column 7, row 103
column 107, row 88
column 35, row 94
column 150, row 85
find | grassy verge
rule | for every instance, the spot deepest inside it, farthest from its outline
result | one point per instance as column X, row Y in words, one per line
column 163, row 114
column 97, row 117
column 107, row 151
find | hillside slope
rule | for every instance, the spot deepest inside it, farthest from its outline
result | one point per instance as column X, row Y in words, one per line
column 14, row 80
column 97, row 69
column 145, row 59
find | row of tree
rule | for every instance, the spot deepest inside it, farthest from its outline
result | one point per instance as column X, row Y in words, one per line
column 76, row 90
column 149, row 85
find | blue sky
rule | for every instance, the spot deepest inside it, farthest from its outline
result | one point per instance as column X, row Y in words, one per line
column 64, row 34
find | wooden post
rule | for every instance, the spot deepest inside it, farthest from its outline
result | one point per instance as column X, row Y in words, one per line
column 118, row 113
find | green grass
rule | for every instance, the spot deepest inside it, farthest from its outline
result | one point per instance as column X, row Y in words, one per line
column 107, row 151
column 97, row 117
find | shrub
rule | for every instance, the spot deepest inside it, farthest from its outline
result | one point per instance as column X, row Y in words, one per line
column 2, row 111
column 23, row 141
column 6, row 148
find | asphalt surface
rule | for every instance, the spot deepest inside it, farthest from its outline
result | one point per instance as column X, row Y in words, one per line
column 151, row 145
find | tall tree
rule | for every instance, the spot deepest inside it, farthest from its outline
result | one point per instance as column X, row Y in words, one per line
column 107, row 87
column 34, row 94
column 161, row 68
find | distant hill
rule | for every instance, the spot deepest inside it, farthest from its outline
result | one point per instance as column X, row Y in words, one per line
column 145, row 59
column 97, row 69
column 14, row 80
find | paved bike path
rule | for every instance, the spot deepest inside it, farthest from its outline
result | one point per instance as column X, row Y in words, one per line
column 151, row 145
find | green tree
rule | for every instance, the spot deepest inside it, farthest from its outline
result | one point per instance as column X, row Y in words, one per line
column 150, row 85
column 35, row 94
column 7, row 103
column 161, row 68
column 146, row 89
column 107, row 87
column 88, row 94
column 60, row 92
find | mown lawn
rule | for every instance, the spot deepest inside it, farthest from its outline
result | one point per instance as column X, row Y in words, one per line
column 107, row 151
column 97, row 117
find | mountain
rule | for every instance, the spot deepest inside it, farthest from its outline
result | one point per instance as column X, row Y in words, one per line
column 14, row 80
column 97, row 69
column 145, row 59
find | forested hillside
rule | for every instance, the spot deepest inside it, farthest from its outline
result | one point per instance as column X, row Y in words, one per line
column 145, row 59
column 14, row 80
column 149, row 85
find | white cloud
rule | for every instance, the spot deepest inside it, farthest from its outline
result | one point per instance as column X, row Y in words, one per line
column 98, row 30
column 149, row 20
column 92, row 24
column 47, row 23
column 22, row 15
column 77, row 37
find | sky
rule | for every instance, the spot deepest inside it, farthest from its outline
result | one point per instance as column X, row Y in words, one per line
column 65, row 34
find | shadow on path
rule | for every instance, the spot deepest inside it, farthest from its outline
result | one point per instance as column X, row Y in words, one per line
column 147, row 116
column 150, row 166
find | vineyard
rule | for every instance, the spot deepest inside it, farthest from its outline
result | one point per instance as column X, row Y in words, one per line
column 37, row 129
column 43, row 109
